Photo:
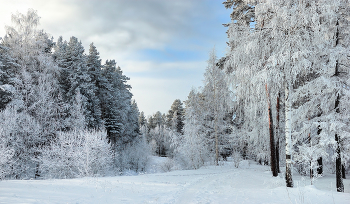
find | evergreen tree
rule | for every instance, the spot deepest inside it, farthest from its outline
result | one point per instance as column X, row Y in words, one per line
column 95, row 73
column 142, row 119
column 175, row 116
column 7, row 76
column 79, row 78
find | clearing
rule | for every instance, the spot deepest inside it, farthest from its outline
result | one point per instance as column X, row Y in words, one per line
column 250, row 183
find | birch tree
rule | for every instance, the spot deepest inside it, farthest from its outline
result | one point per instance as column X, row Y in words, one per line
column 282, row 50
column 217, row 103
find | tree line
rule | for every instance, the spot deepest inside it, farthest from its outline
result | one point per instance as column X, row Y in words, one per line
column 63, row 113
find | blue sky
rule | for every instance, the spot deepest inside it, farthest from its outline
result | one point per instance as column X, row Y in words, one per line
column 162, row 45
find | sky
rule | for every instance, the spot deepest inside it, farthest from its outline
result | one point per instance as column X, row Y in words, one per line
column 161, row 45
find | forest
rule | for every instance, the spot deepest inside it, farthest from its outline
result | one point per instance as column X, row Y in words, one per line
column 280, row 97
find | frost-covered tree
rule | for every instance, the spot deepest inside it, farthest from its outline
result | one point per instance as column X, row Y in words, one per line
column 217, row 99
column 95, row 72
column 116, row 103
column 35, row 95
column 52, row 99
column 70, row 56
column 7, row 76
column 289, row 48
column 142, row 119
column 194, row 148
column 175, row 116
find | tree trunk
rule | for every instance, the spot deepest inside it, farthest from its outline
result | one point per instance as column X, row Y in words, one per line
column 319, row 160
column 277, row 133
column 343, row 171
column 278, row 155
column 311, row 170
column 338, row 167
column 288, row 125
column 320, row 167
column 216, row 149
column 272, row 138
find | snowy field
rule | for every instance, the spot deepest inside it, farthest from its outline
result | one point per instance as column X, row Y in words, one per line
column 250, row 183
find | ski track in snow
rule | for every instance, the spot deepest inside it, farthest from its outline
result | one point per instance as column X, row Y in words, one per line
column 210, row 184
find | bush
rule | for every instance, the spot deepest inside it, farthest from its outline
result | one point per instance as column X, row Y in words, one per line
column 134, row 156
column 76, row 154
column 237, row 158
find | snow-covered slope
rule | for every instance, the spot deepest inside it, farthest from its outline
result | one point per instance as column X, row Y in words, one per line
column 250, row 183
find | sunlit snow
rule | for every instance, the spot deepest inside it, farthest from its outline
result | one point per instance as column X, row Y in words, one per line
column 250, row 183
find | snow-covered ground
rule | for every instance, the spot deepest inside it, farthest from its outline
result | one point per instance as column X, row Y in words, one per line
column 250, row 183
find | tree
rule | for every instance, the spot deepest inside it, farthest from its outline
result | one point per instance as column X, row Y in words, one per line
column 175, row 116
column 95, row 72
column 194, row 148
column 217, row 102
column 34, row 95
column 142, row 119
column 7, row 76
column 294, row 56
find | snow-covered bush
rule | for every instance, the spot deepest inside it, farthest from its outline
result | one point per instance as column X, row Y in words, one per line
column 6, row 155
column 168, row 165
column 134, row 156
column 20, row 135
column 237, row 158
column 192, row 153
column 75, row 154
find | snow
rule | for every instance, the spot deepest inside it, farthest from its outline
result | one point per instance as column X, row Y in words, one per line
column 250, row 183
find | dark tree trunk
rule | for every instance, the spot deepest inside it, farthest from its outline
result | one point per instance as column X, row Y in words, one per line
column 311, row 170
column 319, row 160
column 311, row 173
column 245, row 149
column 278, row 155
column 343, row 171
column 338, row 168
column 320, row 167
column 272, row 139
column 37, row 175
column 338, row 165
column 277, row 134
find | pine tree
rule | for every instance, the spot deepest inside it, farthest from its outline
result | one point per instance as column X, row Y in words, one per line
column 7, row 76
column 142, row 119
column 95, row 73
column 175, row 116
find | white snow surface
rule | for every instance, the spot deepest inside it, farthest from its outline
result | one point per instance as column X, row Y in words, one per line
column 250, row 183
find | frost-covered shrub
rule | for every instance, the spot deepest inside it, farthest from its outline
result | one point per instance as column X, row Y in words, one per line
column 193, row 152
column 237, row 158
column 134, row 156
column 168, row 165
column 75, row 154
column 6, row 155
column 19, row 136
